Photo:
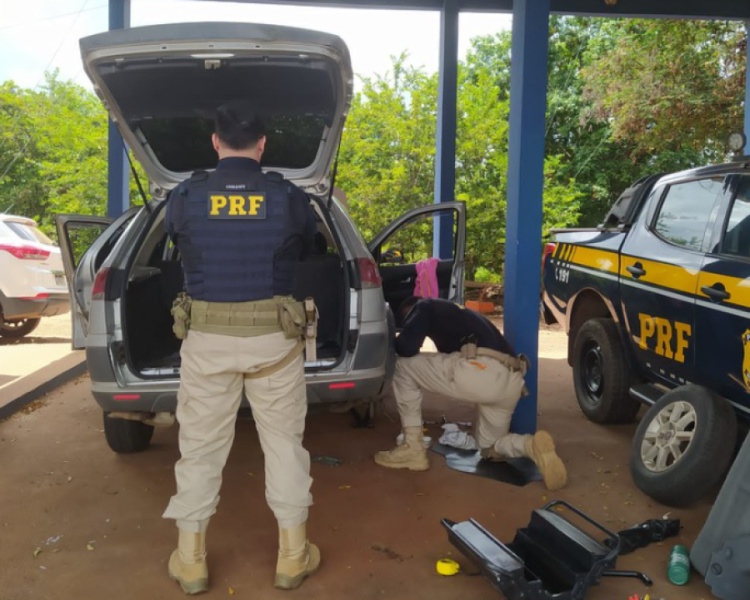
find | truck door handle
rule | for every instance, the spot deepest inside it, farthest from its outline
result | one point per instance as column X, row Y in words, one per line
column 636, row 270
column 717, row 292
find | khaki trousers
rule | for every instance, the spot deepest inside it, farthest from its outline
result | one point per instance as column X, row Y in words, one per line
column 484, row 381
column 211, row 380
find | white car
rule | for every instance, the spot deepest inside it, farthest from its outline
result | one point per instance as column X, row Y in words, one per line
column 32, row 277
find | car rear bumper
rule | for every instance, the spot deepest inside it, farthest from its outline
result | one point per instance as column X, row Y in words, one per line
column 33, row 308
column 161, row 396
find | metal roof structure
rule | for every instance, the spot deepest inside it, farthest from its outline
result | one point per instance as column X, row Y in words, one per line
column 684, row 9
column 528, row 90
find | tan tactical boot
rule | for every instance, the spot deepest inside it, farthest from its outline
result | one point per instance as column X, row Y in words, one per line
column 541, row 449
column 298, row 558
column 410, row 455
column 187, row 565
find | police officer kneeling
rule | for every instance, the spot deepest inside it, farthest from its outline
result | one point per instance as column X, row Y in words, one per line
column 239, row 233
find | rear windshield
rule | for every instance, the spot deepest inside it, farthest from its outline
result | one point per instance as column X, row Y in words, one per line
column 184, row 144
column 27, row 232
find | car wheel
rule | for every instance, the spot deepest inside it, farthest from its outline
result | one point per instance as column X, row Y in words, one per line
column 600, row 374
column 683, row 445
column 17, row 328
column 125, row 436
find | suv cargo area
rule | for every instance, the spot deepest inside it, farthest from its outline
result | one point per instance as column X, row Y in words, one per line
column 154, row 279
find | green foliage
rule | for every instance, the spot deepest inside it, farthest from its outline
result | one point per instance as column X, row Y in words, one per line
column 625, row 98
column 53, row 151
column 483, row 275
column 387, row 156
column 668, row 86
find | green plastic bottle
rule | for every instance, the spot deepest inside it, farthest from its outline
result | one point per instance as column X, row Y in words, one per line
column 678, row 568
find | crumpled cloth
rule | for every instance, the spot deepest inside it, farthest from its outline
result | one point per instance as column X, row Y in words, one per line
column 453, row 436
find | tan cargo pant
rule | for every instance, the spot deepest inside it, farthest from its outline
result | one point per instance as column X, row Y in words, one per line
column 484, row 381
column 211, row 381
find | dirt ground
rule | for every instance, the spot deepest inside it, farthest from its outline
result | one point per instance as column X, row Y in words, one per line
column 78, row 521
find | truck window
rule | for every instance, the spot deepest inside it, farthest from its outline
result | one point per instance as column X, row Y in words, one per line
column 686, row 211
column 737, row 237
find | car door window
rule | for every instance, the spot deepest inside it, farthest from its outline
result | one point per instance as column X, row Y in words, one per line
column 686, row 211
column 736, row 240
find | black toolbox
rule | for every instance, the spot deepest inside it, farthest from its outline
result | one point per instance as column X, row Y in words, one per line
column 549, row 559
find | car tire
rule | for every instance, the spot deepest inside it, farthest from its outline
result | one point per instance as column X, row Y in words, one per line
column 125, row 436
column 683, row 445
column 600, row 374
column 17, row 328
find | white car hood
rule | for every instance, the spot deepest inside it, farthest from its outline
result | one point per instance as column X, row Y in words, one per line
column 162, row 84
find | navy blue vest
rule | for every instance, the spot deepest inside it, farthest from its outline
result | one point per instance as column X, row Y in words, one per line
column 235, row 235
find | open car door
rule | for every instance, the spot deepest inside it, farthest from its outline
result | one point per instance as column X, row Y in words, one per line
column 405, row 247
column 85, row 242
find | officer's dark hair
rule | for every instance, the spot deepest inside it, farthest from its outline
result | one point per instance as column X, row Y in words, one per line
column 238, row 125
column 405, row 308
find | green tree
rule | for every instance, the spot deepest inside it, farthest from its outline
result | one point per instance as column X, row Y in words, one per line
column 387, row 156
column 672, row 89
column 54, row 152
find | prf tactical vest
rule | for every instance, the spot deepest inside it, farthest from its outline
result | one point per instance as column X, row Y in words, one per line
column 236, row 224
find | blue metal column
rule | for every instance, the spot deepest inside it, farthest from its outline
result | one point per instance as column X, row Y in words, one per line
column 523, row 245
column 747, row 85
column 445, row 157
column 118, row 194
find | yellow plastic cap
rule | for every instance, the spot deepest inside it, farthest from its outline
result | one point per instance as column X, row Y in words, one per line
column 446, row 566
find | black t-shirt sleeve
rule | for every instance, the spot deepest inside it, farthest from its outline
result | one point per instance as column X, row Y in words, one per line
column 414, row 332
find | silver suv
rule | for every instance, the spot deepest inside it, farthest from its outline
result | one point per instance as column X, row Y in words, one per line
column 161, row 85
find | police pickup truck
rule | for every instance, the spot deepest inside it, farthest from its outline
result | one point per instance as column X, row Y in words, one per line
column 656, row 304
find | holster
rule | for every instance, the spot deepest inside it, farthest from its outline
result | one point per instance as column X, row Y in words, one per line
column 181, row 315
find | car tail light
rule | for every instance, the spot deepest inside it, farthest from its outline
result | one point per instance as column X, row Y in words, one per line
column 342, row 385
column 549, row 248
column 126, row 397
column 39, row 296
column 368, row 273
column 100, row 284
column 26, row 252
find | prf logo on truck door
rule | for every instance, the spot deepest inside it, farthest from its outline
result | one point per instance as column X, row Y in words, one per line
column 666, row 338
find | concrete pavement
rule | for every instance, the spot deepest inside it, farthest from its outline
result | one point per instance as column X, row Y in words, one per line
column 36, row 364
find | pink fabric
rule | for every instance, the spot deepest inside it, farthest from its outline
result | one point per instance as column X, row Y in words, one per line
column 426, row 285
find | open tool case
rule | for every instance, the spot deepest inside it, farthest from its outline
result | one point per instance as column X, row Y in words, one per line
column 549, row 559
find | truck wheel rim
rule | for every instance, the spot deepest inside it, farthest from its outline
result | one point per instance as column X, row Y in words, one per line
column 668, row 436
column 592, row 375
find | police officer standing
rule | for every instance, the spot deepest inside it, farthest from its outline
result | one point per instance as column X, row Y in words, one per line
column 474, row 363
column 239, row 233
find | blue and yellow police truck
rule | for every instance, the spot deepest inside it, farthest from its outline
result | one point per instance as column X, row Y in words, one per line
column 656, row 305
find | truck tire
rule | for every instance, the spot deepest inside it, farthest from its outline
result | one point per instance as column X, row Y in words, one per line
column 17, row 328
column 683, row 445
column 125, row 436
column 600, row 374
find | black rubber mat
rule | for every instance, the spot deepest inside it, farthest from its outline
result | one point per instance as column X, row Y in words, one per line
column 515, row 471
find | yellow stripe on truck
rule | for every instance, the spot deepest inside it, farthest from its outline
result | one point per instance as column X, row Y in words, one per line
column 673, row 277
column 594, row 258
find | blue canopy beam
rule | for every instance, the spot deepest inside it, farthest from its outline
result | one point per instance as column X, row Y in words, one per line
column 523, row 235
column 445, row 154
column 118, row 193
